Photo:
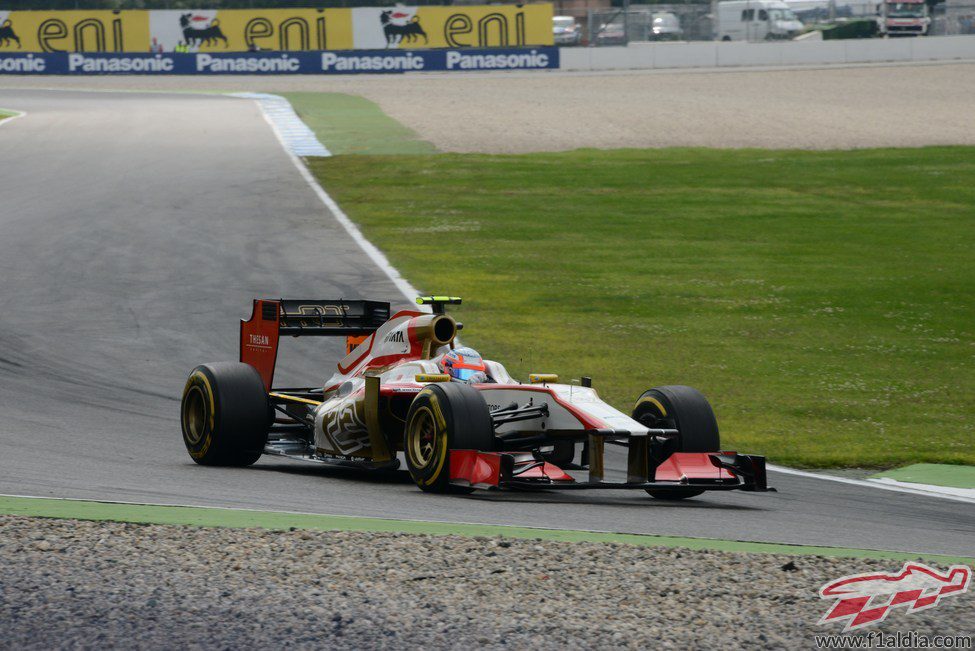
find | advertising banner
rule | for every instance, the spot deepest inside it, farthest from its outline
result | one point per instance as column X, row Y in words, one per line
column 240, row 30
column 74, row 31
column 474, row 26
column 251, row 63
column 284, row 30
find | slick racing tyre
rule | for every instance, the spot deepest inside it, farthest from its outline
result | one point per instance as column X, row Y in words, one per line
column 686, row 410
column 224, row 414
column 444, row 417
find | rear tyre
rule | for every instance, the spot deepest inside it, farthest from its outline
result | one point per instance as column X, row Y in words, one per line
column 686, row 410
column 224, row 414
column 444, row 417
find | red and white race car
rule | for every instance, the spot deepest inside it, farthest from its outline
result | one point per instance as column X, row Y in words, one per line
column 391, row 394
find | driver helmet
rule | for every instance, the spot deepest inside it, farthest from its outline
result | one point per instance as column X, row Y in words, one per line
column 464, row 365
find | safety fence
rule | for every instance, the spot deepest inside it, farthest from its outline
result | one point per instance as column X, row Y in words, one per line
column 715, row 54
column 698, row 21
column 953, row 20
column 660, row 22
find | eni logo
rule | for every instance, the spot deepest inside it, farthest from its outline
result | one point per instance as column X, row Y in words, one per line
column 294, row 33
column 492, row 30
column 89, row 35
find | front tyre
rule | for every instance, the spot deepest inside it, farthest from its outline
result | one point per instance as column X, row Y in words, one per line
column 224, row 414
column 689, row 412
column 444, row 417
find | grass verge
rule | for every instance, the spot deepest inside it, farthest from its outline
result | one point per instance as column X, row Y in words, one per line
column 347, row 124
column 935, row 474
column 822, row 300
column 239, row 518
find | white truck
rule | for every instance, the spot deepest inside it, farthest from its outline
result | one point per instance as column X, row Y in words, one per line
column 904, row 18
column 756, row 20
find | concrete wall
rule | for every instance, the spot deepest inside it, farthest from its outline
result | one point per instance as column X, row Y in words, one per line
column 720, row 55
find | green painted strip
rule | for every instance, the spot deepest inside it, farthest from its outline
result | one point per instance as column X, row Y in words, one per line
column 936, row 474
column 217, row 517
column 348, row 124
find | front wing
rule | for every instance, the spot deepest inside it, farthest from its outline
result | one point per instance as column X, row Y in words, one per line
column 680, row 472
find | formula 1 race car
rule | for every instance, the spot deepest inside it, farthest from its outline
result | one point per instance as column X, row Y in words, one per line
column 391, row 394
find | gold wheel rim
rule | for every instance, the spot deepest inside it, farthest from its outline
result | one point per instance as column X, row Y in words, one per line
column 423, row 437
column 194, row 414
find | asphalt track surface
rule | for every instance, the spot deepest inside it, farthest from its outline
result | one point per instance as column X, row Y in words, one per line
column 134, row 231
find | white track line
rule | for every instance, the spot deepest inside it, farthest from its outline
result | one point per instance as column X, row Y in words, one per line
column 901, row 487
column 16, row 114
column 934, row 488
column 377, row 256
column 293, row 133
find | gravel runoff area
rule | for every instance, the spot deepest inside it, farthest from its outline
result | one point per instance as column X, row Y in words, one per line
column 82, row 584
column 828, row 108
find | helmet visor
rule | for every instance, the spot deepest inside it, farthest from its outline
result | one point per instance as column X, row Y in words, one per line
column 465, row 374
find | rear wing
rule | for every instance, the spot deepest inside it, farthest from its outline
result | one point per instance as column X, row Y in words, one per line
column 330, row 318
column 271, row 319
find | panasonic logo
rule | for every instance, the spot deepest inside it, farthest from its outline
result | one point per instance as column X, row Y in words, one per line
column 80, row 62
column 284, row 63
column 385, row 62
column 28, row 63
column 457, row 60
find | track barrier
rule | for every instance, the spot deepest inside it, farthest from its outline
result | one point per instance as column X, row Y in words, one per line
column 257, row 63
